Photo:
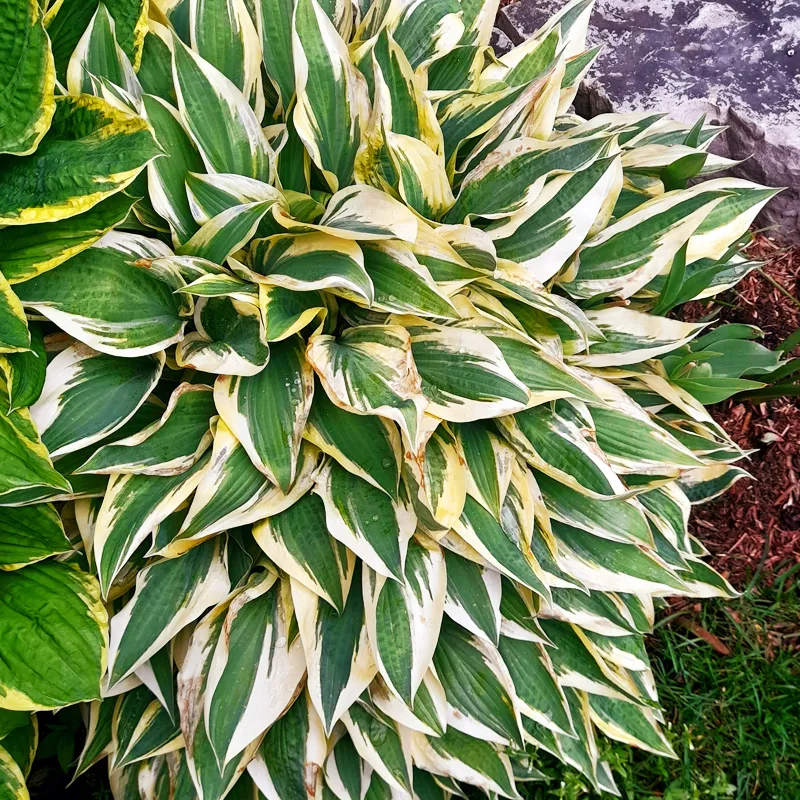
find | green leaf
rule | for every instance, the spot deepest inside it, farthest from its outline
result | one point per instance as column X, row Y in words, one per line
column 53, row 647
column 90, row 151
column 30, row 534
column 28, row 78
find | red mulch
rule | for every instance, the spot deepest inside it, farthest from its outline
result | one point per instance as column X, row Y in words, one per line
column 756, row 525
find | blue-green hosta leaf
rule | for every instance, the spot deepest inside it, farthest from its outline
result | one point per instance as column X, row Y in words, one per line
column 233, row 492
column 561, row 218
column 98, row 56
column 289, row 760
column 53, row 647
column 208, row 780
column 133, row 505
column 381, row 746
column 230, row 338
column 28, row 78
column 628, row 254
column 30, row 534
column 223, row 33
column 297, row 541
column 82, row 298
column 478, row 686
column 346, row 774
column 366, row 520
column 514, row 177
column 557, row 439
column 218, row 118
column 14, row 334
column 338, row 658
column 98, row 742
column 169, row 595
column 26, row 252
column 369, row 447
column 90, row 151
column 403, row 620
column 255, row 670
column 473, row 596
column 312, row 261
column 141, row 728
column 267, row 412
column 632, row 337
column 461, row 757
column 88, row 395
column 464, row 375
column 370, row 370
column 274, row 22
column 535, row 684
column 166, row 176
column 169, row 446
column 332, row 98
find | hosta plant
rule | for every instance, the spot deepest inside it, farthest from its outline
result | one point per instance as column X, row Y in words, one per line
column 341, row 450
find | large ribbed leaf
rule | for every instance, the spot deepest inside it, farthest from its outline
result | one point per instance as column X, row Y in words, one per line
column 90, row 151
column 82, row 297
column 53, row 648
column 30, row 534
column 28, row 79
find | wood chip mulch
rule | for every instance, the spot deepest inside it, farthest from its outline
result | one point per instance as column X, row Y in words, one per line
column 756, row 525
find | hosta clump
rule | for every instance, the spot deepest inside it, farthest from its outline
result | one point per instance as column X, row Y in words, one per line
column 341, row 450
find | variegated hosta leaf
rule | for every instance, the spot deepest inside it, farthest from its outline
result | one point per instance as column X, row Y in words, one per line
column 464, row 375
column 267, row 412
column 338, row 658
column 28, row 78
column 312, row 261
column 332, row 98
column 82, row 297
column 218, row 117
column 370, row 370
column 88, row 395
column 297, row 541
column 169, row 595
column 289, row 760
column 480, row 695
column 30, row 534
column 169, row 446
column 366, row 520
column 403, row 620
column 90, row 151
column 255, row 670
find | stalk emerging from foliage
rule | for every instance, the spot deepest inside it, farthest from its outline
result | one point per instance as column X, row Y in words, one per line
column 339, row 454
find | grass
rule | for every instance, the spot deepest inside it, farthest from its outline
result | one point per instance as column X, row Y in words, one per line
column 733, row 720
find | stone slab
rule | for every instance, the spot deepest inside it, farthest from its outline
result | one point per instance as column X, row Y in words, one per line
column 737, row 61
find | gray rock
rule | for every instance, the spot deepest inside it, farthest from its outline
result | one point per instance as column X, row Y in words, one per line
column 737, row 61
